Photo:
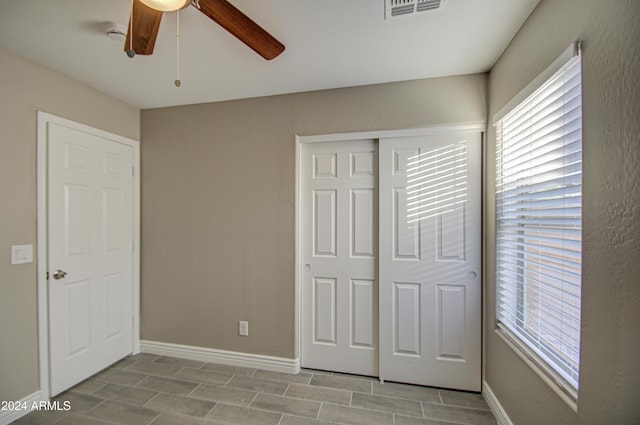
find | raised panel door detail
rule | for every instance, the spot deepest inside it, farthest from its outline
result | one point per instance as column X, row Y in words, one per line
column 451, row 322
column 112, row 215
column 76, row 158
column 324, row 218
column 362, row 164
column 77, row 296
column 450, row 238
column 406, row 318
column 77, row 215
column 362, row 222
column 401, row 160
column 406, row 240
column 324, row 310
column 363, row 313
column 111, row 165
column 325, row 165
column 114, row 297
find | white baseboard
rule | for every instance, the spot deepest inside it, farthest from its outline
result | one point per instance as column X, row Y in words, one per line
column 8, row 416
column 232, row 358
column 494, row 404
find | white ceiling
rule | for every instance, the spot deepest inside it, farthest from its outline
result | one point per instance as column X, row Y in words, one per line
column 329, row 44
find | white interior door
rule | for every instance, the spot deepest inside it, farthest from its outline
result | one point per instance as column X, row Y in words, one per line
column 430, row 259
column 90, row 254
column 339, row 243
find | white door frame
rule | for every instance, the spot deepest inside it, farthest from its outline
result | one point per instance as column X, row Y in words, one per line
column 346, row 137
column 44, row 119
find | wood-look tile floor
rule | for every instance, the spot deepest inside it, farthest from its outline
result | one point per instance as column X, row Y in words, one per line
column 154, row 390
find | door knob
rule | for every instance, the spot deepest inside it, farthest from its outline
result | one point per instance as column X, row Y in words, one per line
column 59, row 274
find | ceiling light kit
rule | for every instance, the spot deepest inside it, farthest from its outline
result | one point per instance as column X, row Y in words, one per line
column 166, row 5
column 147, row 14
column 144, row 23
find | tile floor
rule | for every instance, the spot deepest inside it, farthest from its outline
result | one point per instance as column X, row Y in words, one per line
column 153, row 390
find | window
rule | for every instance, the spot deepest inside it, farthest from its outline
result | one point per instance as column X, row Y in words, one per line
column 539, row 222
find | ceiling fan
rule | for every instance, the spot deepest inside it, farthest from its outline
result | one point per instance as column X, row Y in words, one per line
column 147, row 14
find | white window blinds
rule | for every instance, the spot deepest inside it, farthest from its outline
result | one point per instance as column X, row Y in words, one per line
column 539, row 223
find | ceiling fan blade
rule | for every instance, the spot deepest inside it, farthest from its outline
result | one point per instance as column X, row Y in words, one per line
column 242, row 27
column 146, row 22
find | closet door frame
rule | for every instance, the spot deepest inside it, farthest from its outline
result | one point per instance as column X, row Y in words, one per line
column 480, row 127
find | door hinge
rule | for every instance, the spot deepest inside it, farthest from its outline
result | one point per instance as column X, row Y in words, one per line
column 47, row 275
column 133, row 171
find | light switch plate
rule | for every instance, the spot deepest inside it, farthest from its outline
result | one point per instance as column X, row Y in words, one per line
column 21, row 254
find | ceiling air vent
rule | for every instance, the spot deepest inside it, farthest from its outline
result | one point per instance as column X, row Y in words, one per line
column 396, row 8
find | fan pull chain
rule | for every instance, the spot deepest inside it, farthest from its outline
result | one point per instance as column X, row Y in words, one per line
column 177, row 82
column 130, row 52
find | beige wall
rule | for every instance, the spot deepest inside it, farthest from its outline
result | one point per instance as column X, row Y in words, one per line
column 25, row 88
column 218, row 203
column 610, row 349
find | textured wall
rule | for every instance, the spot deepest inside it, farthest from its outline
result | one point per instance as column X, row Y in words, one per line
column 218, row 203
column 26, row 88
column 610, row 349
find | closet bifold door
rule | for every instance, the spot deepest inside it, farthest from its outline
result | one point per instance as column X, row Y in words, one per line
column 338, row 281
column 391, row 258
column 430, row 260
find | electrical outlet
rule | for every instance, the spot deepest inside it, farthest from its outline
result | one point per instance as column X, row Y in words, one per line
column 243, row 328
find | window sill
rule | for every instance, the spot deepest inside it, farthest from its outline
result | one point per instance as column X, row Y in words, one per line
column 570, row 399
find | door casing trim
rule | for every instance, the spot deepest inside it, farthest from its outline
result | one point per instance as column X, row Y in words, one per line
column 479, row 126
column 43, row 120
